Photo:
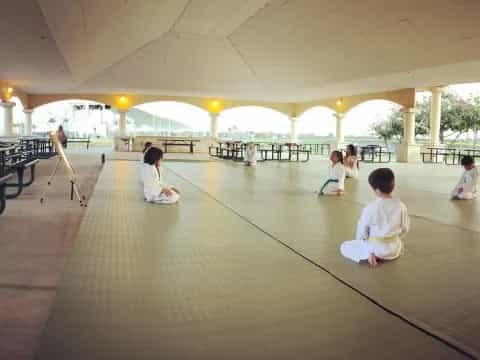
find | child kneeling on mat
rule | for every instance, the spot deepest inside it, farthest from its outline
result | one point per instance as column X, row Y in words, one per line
column 383, row 223
column 154, row 189
column 466, row 188
column 335, row 183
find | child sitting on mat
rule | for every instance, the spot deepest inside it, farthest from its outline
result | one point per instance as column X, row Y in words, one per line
column 251, row 154
column 383, row 223
column 335, row 183
column 153, row 188
column 351, row 162
column 466, row 188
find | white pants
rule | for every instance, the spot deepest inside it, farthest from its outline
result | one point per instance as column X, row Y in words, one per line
column 164, row 199
column 464, row 195
column 351, row 173
column 358, row 250
column 329, row 188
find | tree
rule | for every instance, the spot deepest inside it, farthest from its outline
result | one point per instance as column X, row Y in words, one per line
column 392, row 127
column 458, row 116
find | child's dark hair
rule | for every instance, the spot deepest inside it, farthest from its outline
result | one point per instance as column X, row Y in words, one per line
column 467, row 160
column 339, row 155
column 147, row 145
column 353, row 150
column 382, row 179
column 153, row 155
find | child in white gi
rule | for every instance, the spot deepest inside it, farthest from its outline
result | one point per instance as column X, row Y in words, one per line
column 351, row 162
column 147, row 147
column 251, row 154
column 383, row 223
column 335, row 183
column 153, row 188
column 466, row 188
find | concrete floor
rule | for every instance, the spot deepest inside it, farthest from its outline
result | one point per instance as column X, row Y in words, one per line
column 34, row 240
column 247, row 266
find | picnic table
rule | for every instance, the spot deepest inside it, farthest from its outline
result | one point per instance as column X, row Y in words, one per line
column 375, row 154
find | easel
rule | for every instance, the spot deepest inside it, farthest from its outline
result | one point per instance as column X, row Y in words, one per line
column 74, row 190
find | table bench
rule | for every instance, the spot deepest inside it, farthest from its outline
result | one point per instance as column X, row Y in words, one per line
column 180, row 142
column 375, row 154
column 436, row 155
column 79, row 141
column 15, row 159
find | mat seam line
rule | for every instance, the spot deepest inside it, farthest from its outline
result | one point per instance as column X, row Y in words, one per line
column 449, row 343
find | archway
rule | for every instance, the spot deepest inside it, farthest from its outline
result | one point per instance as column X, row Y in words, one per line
column 316, row 125
column 364, row 123
column 168, row 118
column 80, row 118
column 253, row 123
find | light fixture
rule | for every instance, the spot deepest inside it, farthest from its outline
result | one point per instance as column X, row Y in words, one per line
column 9, row 90
column 214, row 105
column 123, row 99
column 339, row 102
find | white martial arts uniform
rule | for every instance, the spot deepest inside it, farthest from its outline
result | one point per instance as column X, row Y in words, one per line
column 153, row 185
column 335, row 181
column 351, row 167
column 251, row 156
column 468, row 182
column 379, row 231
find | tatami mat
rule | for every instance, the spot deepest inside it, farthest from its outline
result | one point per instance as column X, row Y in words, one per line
column 198, row 281
column 434, row 284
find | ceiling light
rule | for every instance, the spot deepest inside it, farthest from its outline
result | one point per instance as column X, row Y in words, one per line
column 339, row 102
column 9, row 90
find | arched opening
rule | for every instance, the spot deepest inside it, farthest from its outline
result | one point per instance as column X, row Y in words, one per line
column 316, row 125
column 253, row 123
column 79, row 118
column 168, row 118
column 374, row 122
column 18, row 116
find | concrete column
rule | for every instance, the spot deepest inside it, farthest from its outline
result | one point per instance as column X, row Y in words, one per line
column 214, row 126
column 409, row 126
column 293, row 130
column 340, row 139
column 435, row 115
column 28, row 121
column 408, row 151
column 7, row 118
column 122, row 123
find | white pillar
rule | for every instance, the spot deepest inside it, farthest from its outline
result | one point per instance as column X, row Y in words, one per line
column 340, row 139
column 28, row 121
column 7, row 118
column 122, row 123
column 293, row 130
column 435, row 115
column 214, row 126
column 409, row 126
column 408, row 151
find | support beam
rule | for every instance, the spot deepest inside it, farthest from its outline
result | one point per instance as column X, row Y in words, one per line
column 28, row 121
column 435, row 115
column 409, row 126
column 408, row 151
column 122, row 123
column 340, row 139
column 293, row 130
column 7, row 118
column 214, row 126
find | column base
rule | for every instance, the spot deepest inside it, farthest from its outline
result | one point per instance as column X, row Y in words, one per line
column 338, row 146
column 122, row 143
column 407, row 153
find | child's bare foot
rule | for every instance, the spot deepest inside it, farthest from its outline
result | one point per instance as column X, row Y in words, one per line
column 372, row 260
